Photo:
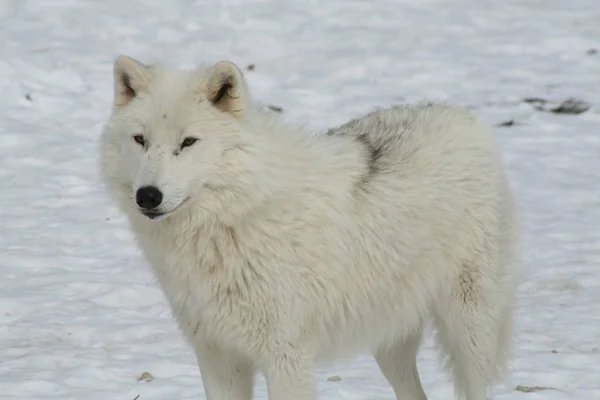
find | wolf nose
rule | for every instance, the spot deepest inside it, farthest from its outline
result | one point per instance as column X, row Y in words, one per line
column 148, row 197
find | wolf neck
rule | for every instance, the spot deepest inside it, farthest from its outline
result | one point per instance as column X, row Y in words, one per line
column 291, row 163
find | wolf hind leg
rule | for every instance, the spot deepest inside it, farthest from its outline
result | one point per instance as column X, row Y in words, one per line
column 398, row 363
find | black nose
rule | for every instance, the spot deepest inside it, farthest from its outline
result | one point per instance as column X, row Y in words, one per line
column 148, row 197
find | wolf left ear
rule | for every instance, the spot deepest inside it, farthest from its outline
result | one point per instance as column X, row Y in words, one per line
column 227, row 90
column 131, row 77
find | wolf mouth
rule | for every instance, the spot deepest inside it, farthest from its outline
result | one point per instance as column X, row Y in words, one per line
column 157, row 214
column 153, row 215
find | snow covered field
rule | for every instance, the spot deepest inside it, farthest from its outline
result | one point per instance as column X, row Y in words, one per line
column 80, row 314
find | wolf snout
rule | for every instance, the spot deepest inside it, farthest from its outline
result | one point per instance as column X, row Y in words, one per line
column 148, row 197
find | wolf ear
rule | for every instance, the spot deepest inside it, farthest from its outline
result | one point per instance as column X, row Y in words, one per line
column 131, row 77
column 227, row 90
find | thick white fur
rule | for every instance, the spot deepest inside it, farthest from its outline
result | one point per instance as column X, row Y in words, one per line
column 281, row 248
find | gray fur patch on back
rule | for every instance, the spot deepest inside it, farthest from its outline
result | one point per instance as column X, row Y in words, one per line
column 374, row 153
column 376, row 137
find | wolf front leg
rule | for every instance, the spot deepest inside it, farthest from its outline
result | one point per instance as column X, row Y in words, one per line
column 290, row 375
column 226, row 375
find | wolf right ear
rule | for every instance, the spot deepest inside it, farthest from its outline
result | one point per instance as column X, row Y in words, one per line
column 131, row 77
column 226, row 89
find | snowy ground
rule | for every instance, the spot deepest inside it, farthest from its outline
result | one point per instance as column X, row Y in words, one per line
column 80, row 314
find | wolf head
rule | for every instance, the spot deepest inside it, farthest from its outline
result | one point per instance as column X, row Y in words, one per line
column 173, row 135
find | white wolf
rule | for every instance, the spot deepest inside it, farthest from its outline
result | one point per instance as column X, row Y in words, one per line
column 277, row 248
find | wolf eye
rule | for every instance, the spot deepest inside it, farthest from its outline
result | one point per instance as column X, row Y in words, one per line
column 188, row 141
column 140, row 139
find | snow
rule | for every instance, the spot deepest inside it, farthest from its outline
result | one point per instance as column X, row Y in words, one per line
column 81, row 316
